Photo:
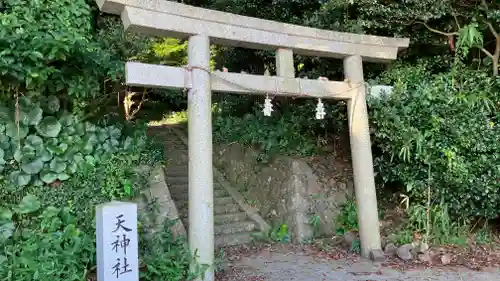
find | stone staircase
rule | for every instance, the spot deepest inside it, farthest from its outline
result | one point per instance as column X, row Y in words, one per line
column 233, row 225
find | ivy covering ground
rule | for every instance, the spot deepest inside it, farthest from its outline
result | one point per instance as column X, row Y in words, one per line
column 48, row 230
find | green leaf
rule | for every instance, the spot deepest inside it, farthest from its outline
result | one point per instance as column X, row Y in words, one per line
column 70, row 153
column 6, row 231
column 70, row 130
column 2, row 128
column 67, row 120
column 110, row 145
column 5, row 115
column 25, row 103
column 35, row 141
column 31, row 117
column 18, row 178
column 88, row 142
column 29, row 204
column 113, row 132
column 48, row 176
column 57, row 149
column 127, row 188
column 52, row 104
column 49, row 127
column 2, row 257
column 89, row 159
column 4, row 141
column 19, row 153
column 45, row 155
column 63, row 176
column 57, row 165
column 16, row 132
column 128, row 143
column 38, row 182
column 31, row 164
column 5, row 215
column 9, row 152
column 79, row 158
column 80, row 129
column 72, row 168
column 2, row 155
column 102, row 135
column 89, row 127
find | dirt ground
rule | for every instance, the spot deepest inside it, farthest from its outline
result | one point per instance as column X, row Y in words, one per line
column 305, row 263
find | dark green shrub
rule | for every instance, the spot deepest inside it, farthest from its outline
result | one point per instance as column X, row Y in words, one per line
column 291, row 130
column 40, row 144
column 441, row 130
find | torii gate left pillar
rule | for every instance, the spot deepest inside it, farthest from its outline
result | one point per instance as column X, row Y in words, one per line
column 201, row 191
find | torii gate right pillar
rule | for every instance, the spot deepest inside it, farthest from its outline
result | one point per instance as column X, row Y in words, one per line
column 362, row 161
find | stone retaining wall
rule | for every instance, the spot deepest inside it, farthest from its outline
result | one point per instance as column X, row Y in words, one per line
column 155, row 205
column 286, row 190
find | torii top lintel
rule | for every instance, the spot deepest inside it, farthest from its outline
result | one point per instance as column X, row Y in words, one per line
column 166, row 18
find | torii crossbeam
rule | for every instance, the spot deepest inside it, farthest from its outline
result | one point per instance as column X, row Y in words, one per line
column 202, row 27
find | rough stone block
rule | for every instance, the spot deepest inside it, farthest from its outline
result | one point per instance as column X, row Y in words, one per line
column 377, row 255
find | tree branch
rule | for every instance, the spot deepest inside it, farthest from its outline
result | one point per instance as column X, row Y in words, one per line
column 438, row 31
column 486, row 52
column 134, row 112
column 492, row 29
column 456, row 21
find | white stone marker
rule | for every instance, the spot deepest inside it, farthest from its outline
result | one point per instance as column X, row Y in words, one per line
column 117, row 242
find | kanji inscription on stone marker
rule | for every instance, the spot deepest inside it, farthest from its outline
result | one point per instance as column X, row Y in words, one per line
column 117, row 242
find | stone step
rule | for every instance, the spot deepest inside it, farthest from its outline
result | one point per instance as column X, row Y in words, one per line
column 233, row 239
column 223, row 200
column 226, row 209
column 177, row 170
column 182, row 180
column 185, row 186
column 183, row 194
column 223, row 219
column 173, row 180
column 218, row 201
column 175, row 158
column 174, row 145
column 237, row 227
column 230, row 218
column 218, row 209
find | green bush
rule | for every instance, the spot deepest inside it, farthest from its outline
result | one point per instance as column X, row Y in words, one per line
column 43, row 243
column 48, row 232
column 167, row 258
column 291, row 130
column 54, row 48
column 441, row 130
column 44, row 146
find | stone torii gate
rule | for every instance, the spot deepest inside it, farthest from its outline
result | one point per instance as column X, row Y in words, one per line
column 202, row 27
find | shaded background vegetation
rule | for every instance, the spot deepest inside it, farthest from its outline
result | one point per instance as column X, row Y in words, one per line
column 437, row 132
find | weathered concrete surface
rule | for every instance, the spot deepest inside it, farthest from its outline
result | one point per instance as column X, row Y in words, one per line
column 362, row 161
column 298, row 267
column 169, row 77
column 178, row 20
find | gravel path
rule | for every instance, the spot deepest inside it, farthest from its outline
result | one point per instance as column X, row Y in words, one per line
column 276, row 266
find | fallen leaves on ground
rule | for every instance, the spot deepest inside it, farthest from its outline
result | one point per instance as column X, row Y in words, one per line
column 478, row 258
